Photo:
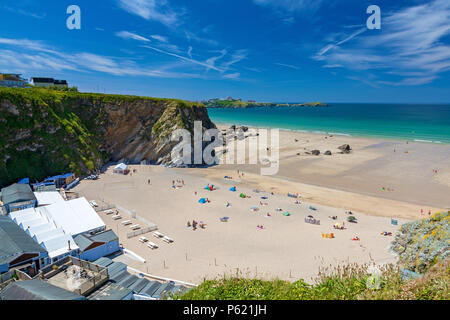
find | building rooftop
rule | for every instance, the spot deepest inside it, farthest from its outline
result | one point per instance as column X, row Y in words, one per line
column 17, row 193
column 75, row 275
column 14, row 241
column 85, row 240
column 36, row 290
column 110, row 291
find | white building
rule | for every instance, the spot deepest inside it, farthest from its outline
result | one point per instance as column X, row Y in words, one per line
column 55, row 222
column 121, row 168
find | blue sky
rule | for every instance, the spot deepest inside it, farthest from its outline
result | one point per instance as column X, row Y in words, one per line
column 266, row 50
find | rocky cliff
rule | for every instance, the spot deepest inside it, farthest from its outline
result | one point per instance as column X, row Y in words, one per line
column 45, row 132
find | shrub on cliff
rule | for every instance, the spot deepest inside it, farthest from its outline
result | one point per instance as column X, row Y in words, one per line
column 421, row 244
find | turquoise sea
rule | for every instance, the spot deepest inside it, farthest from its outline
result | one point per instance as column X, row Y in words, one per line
column 419, row 122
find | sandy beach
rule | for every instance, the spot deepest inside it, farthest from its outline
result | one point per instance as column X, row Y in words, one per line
column 287, row 247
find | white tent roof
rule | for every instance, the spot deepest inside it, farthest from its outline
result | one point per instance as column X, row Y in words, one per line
column 48, row 235
column 121, row 166
column 59, row 245
column 35, row 230
column 46, row 198
column 74, row 216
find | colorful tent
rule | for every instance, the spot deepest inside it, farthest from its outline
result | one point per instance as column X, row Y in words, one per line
column 233, row 189
column 202, row 200
column 242, row 195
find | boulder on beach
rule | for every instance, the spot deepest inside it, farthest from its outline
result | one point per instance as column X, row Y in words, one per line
column 327, row 153
column 345, row 148
column 315, row 152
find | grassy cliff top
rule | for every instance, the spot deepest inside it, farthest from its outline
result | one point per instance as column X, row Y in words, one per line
column 35, row 93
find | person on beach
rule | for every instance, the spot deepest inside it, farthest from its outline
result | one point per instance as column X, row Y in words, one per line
column 188, row 224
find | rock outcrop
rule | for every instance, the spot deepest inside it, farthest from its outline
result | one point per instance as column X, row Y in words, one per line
column 44, row 132
column 345, row 148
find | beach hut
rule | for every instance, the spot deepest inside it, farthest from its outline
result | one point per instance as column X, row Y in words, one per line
column 121, row 168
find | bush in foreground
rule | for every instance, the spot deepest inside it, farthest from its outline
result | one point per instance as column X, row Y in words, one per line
column 351, row 282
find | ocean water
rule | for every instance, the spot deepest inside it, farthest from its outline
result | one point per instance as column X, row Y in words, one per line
column 419, row 122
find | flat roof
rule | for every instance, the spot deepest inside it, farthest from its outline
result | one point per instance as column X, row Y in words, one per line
column 17, row 193
column 37, row 290
column 48, row 197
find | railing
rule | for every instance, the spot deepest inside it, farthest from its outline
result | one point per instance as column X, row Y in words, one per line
column 142, row 231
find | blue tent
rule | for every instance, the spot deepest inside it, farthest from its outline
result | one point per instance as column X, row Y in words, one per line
column 233, row 189
column 202, row 200
column 24, row 181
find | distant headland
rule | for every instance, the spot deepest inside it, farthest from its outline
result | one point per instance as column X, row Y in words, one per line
column 239, row 103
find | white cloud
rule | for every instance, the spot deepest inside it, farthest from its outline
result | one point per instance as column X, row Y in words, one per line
column 30, row 56
column 232, row 76
column 290, row 5
column 130, row 35
column 151, row 10
column 204, row 64
column 159, row 38
column 409, row 44
column 287, row 66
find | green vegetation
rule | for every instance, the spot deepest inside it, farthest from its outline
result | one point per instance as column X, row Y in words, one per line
column 422, row 246
column 351, row 282
column 47, row 131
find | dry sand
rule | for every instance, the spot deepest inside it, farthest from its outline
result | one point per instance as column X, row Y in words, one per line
column 287, row 248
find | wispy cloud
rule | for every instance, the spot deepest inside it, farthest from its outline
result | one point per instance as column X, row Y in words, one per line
column 210, row 63
column 290, row 5
column 157, row 10
column 287, row 66
column 409, row 45
column 159, row 38
column 233, row 76
column 204, row 64
column 130, row 35
column 26, row 13
column 27, row 56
